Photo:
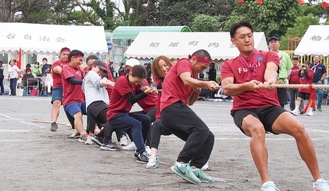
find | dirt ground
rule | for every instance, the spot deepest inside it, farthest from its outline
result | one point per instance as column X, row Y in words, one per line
column 33, row 158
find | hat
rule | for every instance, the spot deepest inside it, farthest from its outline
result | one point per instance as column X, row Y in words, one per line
column 132, row 62
column 274, row 38
column 295, row 57
column 28, row 65
column 91, row 57
column 100, row 64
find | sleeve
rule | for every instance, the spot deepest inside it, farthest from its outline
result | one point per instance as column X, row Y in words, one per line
column 95, row 79
column 226, row 70
column 66, row 72
column 184, row 65
column 122, row 86
column 135, row 98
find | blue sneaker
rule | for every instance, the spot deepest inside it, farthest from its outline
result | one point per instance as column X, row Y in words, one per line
column 320, row 185
column 269, row 186
column 152, row 162
column 202, row 176
column 185, row 171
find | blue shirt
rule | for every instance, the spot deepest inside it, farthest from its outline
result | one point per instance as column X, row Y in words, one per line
column 319, row 70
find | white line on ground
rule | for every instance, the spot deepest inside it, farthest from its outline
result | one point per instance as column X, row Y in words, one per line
column 19, row 120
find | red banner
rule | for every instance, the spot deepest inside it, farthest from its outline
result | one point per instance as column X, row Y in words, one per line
column 19, row 58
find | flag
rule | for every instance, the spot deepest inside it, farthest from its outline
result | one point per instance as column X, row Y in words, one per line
column 240, row 1
column 19, row 58
column 260, row 1
column 300, row 2
column 325, row 3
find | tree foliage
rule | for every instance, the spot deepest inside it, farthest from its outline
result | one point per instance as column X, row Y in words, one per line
column 272, row 17
column 205, row 23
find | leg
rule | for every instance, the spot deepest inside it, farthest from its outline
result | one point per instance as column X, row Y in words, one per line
column 146, row 123
column 287, row 124
column 254, row 128
column 292, row 95
column 320, row 97
column 55, row 110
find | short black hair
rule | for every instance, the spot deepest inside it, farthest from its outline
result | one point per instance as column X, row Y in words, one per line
column 138, row 71
column 75, row 53
column 235, row 27
column 44, row 59
column 91, row 57
column 202, row 54
column 65, row 48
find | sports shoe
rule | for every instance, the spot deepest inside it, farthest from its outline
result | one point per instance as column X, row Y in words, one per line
column 130, row 147
column 97, row 140
column 148, row 150
column 152, row 162
column 269, row 186
column 309, row 112
column 53, row 127
column 142, row 158
column 83, row 138
column 319, row 109
column 89, row 141
column 185, row 171
column 295, row 112
column 75, row 134
column 320, row 185
column 110, row 147
column 123, row 141
column 202, row 176
column 205, row 167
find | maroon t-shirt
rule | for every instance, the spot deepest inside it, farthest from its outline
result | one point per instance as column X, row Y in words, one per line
column 150, row 101
column 119, row 103
column 308, row 80
column 173, row 88
column 294, row 78
column 72, row 92
column 250, row 99
column 57, row 78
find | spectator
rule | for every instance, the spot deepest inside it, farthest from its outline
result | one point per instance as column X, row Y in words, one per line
column 45, row 66
column 121, row 70
column 212, row 73
column 319, row 75
column 294, row 79
column 13, row 76
column 36, row 70
column 1, row 78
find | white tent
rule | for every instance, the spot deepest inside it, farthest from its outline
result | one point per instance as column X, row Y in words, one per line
column 315, row 41
column 49, row 39
column 181, row 44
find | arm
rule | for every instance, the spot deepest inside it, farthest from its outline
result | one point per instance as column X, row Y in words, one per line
column 135, row 98
column 57, row 69
column 74, row 81
column 194, row 96
column 194, row 83
column 106, row 82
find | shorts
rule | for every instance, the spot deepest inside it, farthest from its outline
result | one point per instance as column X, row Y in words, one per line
column 266, row 115
column 56, row 94
column 76, row 107
column 303, row 95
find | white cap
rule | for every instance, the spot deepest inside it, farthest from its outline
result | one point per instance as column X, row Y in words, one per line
column 132, row 62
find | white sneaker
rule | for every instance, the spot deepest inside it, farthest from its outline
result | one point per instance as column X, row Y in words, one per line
column 269, row 186
column 320, row 185
column 75, row 134
column 295, row 112
column 130, row 147
column 89, row 141
column 310, row 112
column 205, row 167
column 123, row 141
column 152, row 163
column 148, row 150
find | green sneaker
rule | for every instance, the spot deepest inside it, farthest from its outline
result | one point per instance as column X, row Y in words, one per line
column 202, row 176
column 185, row 171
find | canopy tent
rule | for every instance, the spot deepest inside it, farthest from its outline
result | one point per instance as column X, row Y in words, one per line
column 315, row 41
column 49, row 39
column 179, row 45
column 131, row 32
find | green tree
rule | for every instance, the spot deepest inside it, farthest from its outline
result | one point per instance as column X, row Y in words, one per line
column 272, row 17
column 205, row 23
column 298, row 30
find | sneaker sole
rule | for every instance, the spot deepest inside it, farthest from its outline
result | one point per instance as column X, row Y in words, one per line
column 152, row 166
column 140, row 161
column 96, row 141
column 173, row 169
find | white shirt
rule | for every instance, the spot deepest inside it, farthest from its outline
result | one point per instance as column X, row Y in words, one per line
column 13, row 71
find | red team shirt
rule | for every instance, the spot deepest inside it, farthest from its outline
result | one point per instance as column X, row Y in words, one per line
column 308, row 80
column 119, row 103
column 57, row 78
column 173, row 88
column 250, row 99
column 150, row 101
column 294, row 78
column 72, row 92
